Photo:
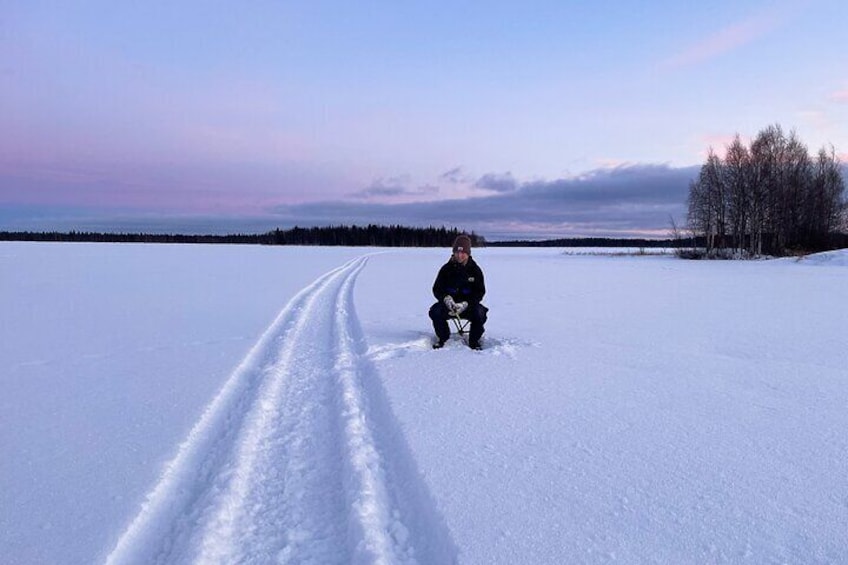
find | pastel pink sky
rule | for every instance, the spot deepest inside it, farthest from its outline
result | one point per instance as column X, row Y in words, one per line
column 769, row 18
column 238, row 111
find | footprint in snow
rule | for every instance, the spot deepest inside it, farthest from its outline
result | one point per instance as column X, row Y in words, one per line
column 423, row 342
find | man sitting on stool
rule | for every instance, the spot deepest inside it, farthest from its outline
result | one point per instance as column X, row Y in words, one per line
column 459, row 288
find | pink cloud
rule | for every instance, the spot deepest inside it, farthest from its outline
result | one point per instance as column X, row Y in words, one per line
column 840, row 96
column 728, row 39
column 163, row 187
column 718, row 142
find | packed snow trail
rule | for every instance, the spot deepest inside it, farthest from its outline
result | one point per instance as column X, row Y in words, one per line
column 298, row 459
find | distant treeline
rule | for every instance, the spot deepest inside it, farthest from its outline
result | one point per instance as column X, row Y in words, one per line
column 589, row 242
column 81, row 236
column 371, row 235
column 353, row 236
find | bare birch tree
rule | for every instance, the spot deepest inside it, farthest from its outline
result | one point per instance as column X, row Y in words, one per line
column 769, row 198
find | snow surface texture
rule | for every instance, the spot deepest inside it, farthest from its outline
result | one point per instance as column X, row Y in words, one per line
column 181, row 404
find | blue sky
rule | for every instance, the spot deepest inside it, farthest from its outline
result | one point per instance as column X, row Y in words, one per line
column 532, row 119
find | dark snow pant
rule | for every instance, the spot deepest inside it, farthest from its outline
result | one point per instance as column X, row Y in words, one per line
column 476, row 314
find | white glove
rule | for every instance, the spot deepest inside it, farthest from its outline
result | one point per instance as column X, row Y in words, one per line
column 449, row 302
column 460, row 308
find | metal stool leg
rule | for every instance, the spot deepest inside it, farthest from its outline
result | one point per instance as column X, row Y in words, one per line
column 461, row 325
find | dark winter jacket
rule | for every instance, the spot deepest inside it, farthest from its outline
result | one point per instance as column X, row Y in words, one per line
column 463, row 282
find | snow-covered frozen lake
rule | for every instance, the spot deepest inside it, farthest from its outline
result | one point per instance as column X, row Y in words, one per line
column 222, row 404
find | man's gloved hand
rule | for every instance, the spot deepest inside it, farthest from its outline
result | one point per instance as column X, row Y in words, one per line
column 460, row 308
column 449, row 302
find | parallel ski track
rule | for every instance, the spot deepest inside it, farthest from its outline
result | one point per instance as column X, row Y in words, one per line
column 298, row 459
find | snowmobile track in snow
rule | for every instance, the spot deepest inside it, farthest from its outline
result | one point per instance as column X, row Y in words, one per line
column 298, row 459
